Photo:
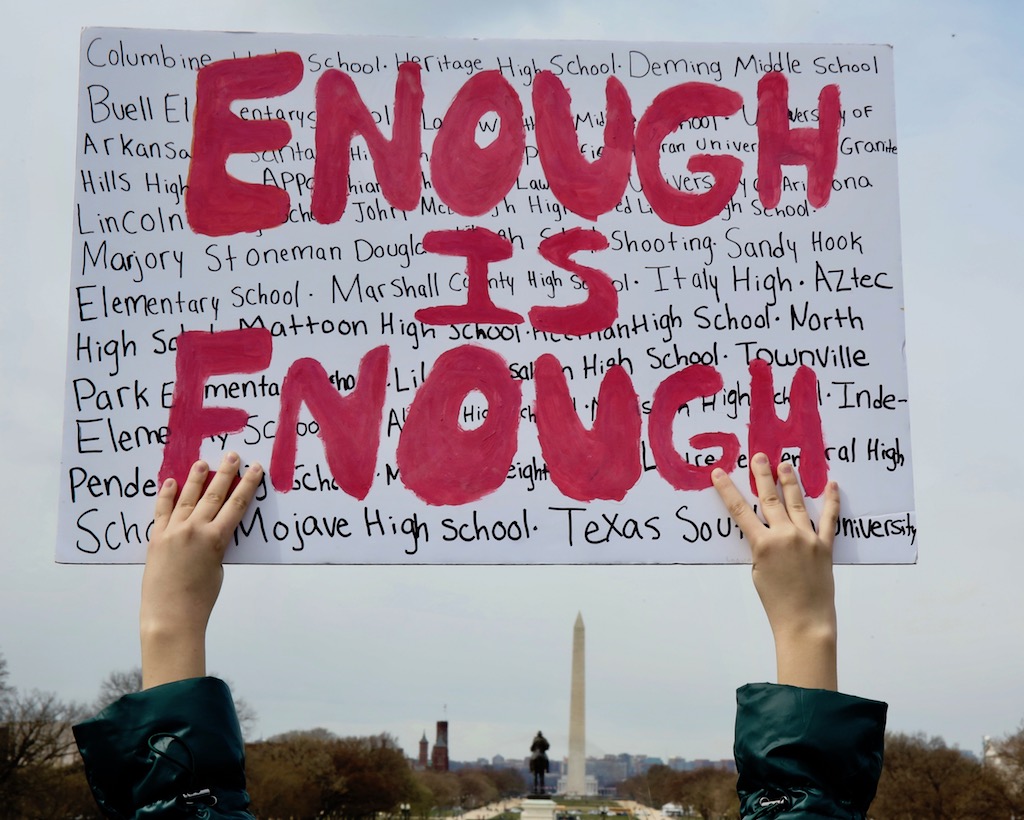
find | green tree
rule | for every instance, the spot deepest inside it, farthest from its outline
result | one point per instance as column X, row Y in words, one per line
column 441, row 791
column 475, row 788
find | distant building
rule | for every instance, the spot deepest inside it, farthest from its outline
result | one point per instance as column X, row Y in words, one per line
column 641, row 763
column 439, row 757
column 436, row 759
column 993, row 758
column 608, row 770
column 424, row 743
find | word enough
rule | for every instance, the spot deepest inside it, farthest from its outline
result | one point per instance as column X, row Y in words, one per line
column 443, row 463
column 472, row 179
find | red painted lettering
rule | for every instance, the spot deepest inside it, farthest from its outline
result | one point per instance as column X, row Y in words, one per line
column 341, row 114
column 670, row 108
column 587, row 188
column 603, row 462
column 438, row 460
column 480, row 247
column 801, row 430
column 471, row 179
column 349, row 425
column 200, row 356
column 778, row 144
column 692, row 382
column 601, row 306
column 216, row 203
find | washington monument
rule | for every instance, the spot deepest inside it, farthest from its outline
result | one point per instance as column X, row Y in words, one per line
column 576, row 776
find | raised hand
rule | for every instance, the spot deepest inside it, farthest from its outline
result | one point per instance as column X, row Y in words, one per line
column 183, row 575
column 792, row 570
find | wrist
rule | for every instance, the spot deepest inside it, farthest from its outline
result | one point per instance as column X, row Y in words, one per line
column 807, row 657
column 157, row 629
column 810, row 631
column 171, row 653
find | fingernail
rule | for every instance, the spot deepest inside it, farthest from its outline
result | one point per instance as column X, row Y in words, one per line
column 760, row 458
column 717, row 474
column 785, row 467
column 256, row 468
column 200, row 467
column 231, row 458
column 168, row 483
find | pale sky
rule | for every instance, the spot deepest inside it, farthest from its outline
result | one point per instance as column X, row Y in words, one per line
column 369, row 649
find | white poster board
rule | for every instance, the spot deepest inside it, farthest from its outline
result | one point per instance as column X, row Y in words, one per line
column 408, row 268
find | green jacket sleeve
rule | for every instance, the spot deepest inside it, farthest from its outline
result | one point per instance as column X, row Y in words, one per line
column 806, row 753
column 171, row 751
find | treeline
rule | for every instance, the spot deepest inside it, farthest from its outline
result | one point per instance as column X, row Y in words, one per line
column 41, row 774
column 707, row 793
column 317, row 774
column 312, row 774
column 922, row 777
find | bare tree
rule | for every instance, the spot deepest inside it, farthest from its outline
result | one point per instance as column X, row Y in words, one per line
column 711, row 792
column 924, row 779
column 247, row 715
column 315, row 773
column 128, row 681
column 1006, row 760
column 116, row 685
column 35, row 742
column 6, row 690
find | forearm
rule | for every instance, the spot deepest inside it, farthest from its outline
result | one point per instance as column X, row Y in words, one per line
column 172, row 625
column 170, row 655
column 184, row 571
column 808, row 659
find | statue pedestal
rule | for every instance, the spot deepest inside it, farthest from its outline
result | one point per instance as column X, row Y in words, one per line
column 538, row 808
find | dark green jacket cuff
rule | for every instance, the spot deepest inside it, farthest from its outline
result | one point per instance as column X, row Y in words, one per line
column 806, row 753
column 170, row 751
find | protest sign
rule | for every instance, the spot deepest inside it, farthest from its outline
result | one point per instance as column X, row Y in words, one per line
column 483, row 301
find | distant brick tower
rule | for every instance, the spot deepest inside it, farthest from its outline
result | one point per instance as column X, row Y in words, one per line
column 423, row 759
column 576, row 776
column 439, row 758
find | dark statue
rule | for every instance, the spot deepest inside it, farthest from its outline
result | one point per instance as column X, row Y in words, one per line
column 539, row 765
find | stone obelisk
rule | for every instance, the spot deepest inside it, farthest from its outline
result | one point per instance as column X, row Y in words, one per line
column 576, row 776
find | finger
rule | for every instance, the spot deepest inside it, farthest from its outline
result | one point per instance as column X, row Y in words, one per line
column 231, row 513
column 164, row 505
column 829, row 515
column 772, row 508
column 219, row 488
column 742, row 513
column 793, row 496
column 192, row 489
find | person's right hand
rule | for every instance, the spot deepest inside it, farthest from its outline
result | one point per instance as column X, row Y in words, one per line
column 183, row 572
column 792, row 570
